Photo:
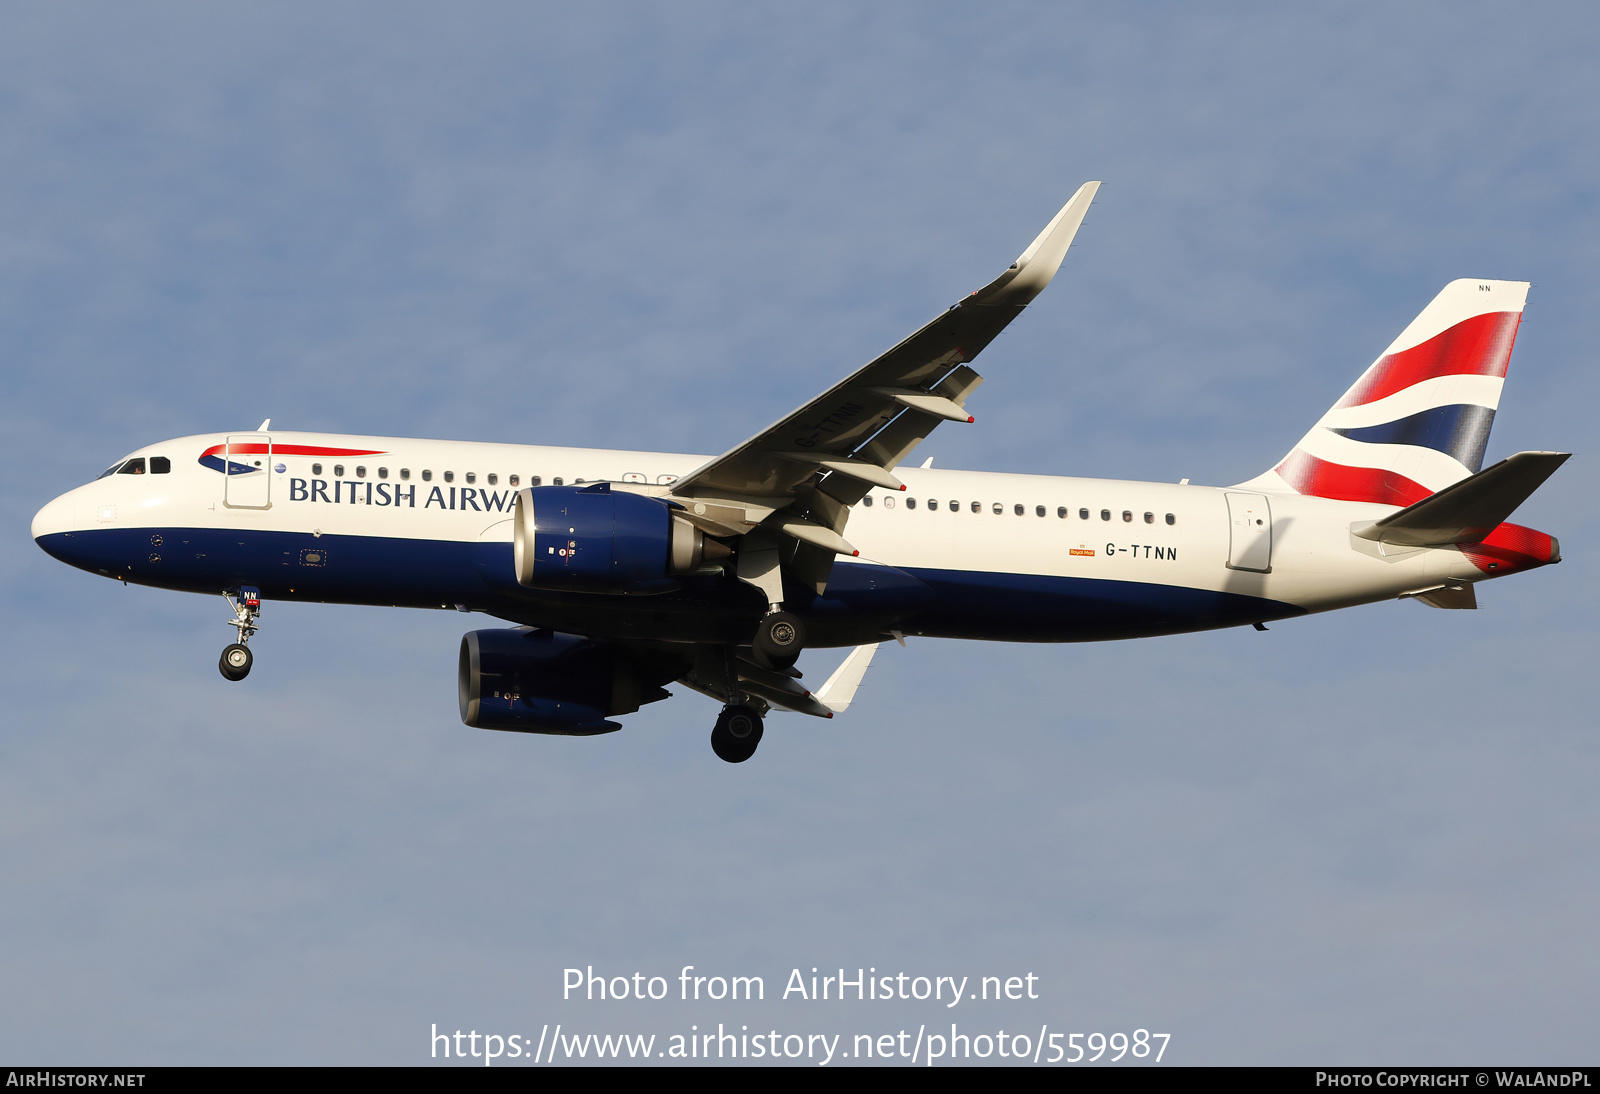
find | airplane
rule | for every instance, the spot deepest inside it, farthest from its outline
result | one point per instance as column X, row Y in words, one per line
column 622, row 572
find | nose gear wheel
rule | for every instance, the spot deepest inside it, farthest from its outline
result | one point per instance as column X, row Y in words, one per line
column 235, row 661
column 236, row 658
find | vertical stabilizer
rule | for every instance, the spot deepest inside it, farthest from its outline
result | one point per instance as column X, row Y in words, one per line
column 1419, row 418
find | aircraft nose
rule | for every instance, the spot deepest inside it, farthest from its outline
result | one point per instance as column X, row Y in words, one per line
column 56, row 527
column 55, row 518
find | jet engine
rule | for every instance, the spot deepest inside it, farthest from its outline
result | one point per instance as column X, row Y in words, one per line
column 591, row 539
column 539, row 681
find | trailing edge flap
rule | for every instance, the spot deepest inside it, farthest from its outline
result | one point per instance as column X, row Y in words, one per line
column 1466, row 511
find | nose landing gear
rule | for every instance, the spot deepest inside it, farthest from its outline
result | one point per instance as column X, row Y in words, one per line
column 236, row 658
column 737, row 733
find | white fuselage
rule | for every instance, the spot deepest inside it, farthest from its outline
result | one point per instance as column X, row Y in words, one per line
column 945, row 522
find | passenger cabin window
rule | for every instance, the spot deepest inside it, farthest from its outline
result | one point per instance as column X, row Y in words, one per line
column 1083, row 514
column 449, row 476
column 493, row 478
column 361, row 472
column 405, row 472
column 911, row 503
column 1171, row 519
column 1127, row 514
column 1018, row 509
column 977, row 507
column 472, row 476
column 427, row 476
column 888, row 502
column 998, row 509
column 557, row 480
column 316, row 469
column 867, row 501
column 134, row 466
column 160, row 465
column 1105, row 514
column 534, row 480
column 383, row 472
column 1149, row 518
column 338, row 470
column 955, row 506
column 1062, row 512
column 1038, row 510
column 513, row 480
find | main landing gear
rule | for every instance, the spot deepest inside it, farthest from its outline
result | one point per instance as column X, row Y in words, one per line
column 236, row 658
column 737, row 733
column 779, row 639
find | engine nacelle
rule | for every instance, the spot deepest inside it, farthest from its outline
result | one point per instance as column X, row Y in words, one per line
column 591, row 539
column 538, row 681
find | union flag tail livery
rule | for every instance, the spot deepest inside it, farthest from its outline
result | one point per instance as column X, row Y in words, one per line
column 1419, row 418
column 621, row 572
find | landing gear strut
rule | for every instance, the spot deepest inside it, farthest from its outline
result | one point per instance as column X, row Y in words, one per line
column 779, row 639
column 236, row 658
column 737, row 733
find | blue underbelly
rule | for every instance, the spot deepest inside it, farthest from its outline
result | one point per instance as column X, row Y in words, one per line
column 862, row 602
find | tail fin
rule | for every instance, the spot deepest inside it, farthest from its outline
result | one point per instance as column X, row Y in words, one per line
column 1419, row 418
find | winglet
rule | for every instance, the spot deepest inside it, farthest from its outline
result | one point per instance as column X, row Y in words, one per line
column 1034, row 268
column 840, row 689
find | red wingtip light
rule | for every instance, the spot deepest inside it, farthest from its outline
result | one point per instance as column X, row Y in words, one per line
column 902, row 487
column 855, row 554
column 970, row 419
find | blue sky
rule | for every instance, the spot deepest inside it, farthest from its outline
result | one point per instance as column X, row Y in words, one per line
column 1365, row 837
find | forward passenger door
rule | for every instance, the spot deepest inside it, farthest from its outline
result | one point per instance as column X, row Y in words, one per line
column 247, row 471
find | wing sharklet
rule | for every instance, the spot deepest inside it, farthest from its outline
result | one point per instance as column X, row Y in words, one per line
column 1037, row 265
column 840, row 690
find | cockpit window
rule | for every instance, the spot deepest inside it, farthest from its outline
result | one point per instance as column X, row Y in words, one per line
column 134, row 466
column 112, row 470
column 160, row 465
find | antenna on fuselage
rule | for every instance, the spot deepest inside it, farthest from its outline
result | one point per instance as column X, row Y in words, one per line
column 266, row 424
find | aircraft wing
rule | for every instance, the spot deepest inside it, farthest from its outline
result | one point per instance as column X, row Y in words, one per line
column 798, row 477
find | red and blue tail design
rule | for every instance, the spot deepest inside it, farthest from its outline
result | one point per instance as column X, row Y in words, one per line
column 1419, row 418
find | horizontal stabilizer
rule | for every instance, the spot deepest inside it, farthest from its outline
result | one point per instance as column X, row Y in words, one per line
column 840, row 689
column 1467, row 511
